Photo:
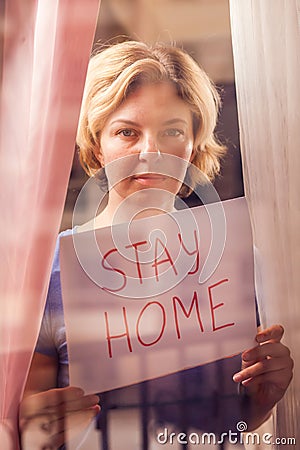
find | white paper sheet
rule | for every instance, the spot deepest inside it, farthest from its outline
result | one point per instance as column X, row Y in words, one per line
column 134, row 306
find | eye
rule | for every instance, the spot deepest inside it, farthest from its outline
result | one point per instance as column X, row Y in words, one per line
column 173, row 132
column 127, row 132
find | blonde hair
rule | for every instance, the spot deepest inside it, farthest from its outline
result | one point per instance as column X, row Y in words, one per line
column 116, row 71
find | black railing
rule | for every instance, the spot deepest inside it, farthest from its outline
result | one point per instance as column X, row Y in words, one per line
column 145, row 406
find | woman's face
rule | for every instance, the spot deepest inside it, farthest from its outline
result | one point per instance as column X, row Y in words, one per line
column 150, row 129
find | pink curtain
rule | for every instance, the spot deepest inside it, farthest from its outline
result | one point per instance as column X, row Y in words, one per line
column 45, row 51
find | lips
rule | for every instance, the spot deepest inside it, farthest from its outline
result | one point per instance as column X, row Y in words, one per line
column 151, row 176
column 148, row 178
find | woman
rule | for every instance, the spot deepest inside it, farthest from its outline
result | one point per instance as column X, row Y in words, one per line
column 142, row 107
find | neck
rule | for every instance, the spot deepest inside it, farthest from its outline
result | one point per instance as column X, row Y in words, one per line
column 136, row 207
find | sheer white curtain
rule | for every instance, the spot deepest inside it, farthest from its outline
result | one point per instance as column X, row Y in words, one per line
column 46, row 46
column 266, row 47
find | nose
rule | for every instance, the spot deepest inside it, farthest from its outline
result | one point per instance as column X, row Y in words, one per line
column 149, row 149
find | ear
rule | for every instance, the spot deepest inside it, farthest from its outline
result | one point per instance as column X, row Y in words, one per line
column 193, row 154
column 99, row 156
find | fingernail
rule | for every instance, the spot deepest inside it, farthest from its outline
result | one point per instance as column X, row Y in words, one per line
column 95, row 409
column 260, row 337
column 246, row 357
column 237, row 377
column 78, row 392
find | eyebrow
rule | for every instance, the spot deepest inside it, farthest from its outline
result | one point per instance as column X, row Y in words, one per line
column 175, row 120
column 136, row 124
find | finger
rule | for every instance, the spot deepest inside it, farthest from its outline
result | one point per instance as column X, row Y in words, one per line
column 41, row 422
column 275, row 333
column 88, row 401
column 62, row 416
column 59, row 413
column 54, row 397
column 57, row 402
column 44, row 400
column 271, row 349
column 264, row 366
column 45, row 422
column 280, row 379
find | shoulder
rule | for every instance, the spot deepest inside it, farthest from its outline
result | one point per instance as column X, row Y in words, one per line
column 54, row 301
column 55, row 264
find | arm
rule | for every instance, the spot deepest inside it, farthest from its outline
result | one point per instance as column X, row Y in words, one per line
column 42, row 375
column 265, row 375
column 47, row 412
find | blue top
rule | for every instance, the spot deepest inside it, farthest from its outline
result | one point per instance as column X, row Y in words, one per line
column 52, row 338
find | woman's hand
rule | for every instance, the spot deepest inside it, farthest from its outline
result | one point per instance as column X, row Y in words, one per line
column 47, row 419
column 266, row 369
